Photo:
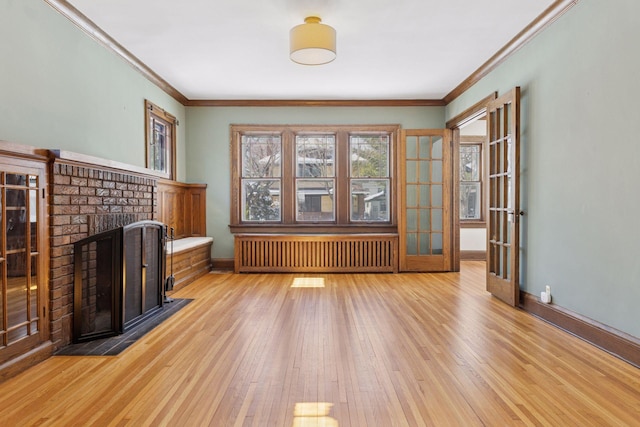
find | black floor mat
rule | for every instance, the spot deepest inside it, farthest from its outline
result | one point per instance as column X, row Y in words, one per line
column 114, row 345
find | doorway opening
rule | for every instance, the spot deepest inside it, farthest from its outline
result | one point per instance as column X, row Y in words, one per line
column 469, row 130
column 472, row 222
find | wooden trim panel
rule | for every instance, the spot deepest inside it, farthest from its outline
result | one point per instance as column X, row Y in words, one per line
column 472, row 113
column 183, row 207
column 222, row 264
column 472, row 224
column 315, row 103
column 473, row 255
column 25, row 361
column 609, row 339
column 26, row 152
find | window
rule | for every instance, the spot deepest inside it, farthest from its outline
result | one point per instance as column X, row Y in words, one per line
column 318, row 177
column 160, row 140
column 261, row 178
column 315, row 177
column 369, row 160
column 470, row 181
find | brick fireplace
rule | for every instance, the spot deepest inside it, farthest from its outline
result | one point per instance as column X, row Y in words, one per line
column 87, row 196
column 68, row 197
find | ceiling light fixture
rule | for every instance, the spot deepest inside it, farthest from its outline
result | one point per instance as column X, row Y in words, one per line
column 312, row 43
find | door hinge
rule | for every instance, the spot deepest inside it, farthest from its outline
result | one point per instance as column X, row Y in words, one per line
column 43, row 193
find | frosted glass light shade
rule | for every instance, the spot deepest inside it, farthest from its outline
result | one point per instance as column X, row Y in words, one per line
column 312, row 43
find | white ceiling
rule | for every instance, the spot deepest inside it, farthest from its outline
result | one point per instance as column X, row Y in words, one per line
column 238, row 49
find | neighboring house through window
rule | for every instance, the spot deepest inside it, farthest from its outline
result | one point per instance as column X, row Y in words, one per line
column 160, row 140
column 315, row 177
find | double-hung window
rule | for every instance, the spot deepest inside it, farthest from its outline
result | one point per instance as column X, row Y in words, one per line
column 369, row 177
column 317, row 178
column 261, row 177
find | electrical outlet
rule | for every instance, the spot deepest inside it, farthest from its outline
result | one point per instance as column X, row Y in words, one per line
column 548, row 290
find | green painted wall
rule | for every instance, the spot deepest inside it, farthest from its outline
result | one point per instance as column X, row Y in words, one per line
column 581, row 152
column 208, row 154
column 60, row 89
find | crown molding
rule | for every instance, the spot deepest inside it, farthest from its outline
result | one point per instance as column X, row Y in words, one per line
column 315, row 103
column 96, row 33
column 550, row 15
column 546, row 18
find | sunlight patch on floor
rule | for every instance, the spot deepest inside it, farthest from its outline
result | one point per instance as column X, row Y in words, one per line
column 308, row 282
column 313, row 414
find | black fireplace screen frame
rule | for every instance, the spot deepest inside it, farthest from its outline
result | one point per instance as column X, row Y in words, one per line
column 119, row 279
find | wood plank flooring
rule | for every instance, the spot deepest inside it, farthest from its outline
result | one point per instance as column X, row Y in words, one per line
column 364, row 350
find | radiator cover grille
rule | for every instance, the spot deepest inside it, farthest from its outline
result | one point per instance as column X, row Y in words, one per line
column 316, row 253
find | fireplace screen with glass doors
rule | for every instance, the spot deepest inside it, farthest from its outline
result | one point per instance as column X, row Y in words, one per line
column 119, row 279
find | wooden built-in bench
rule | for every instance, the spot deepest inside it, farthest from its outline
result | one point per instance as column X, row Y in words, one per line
column 191, row 259
column 182, row 207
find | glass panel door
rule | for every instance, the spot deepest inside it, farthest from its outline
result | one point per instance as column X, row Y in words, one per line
column 503, row 248
column 425, row 223
column 22, row 293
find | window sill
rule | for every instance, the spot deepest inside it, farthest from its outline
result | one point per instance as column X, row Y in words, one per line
column 312, row 228
column 472, row 224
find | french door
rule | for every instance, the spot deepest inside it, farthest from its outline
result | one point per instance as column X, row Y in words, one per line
column 425, row 220
column 503, row 210
column 23, row 259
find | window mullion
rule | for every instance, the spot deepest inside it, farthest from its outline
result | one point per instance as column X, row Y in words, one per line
column 288, row 178
column 342, row 192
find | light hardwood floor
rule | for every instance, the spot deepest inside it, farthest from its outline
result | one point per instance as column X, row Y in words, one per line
column 379, row 349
